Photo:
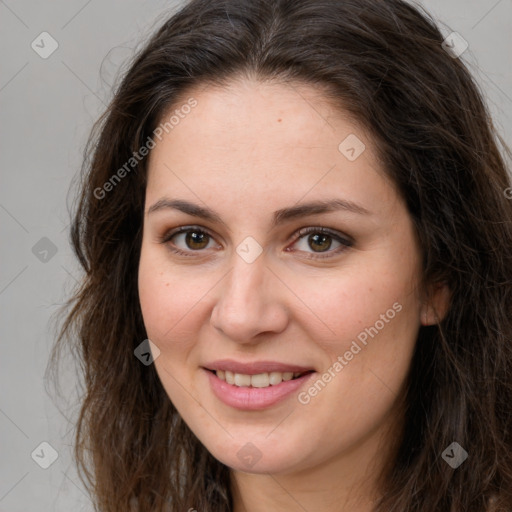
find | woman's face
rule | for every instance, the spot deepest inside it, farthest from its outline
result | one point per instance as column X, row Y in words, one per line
column 247, row 287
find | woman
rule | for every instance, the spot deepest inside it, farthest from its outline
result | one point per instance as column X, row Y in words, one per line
column 297, row 243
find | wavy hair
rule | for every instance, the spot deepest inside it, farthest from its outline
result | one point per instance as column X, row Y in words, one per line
column 384, row 63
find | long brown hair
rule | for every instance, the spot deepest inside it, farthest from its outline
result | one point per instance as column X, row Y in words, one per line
column 384, row 62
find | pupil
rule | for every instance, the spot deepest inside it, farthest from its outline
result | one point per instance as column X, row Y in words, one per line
column 324, row 240
column 193, row 237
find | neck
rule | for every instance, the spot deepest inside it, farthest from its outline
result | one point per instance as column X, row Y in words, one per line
column 260, row 493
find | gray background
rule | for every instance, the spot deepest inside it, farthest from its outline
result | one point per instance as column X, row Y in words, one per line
column 47, row 107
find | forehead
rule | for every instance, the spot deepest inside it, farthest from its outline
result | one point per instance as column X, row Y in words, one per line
column 249, row 114
column 263, row 139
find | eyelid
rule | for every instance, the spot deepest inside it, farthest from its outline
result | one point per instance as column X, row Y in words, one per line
column 183, row 229
column 341, row 237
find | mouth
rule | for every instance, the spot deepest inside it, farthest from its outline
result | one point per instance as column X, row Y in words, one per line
column 258, row 391
column 260, row 380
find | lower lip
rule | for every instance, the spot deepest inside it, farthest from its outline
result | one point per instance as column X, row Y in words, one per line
column 254, row 399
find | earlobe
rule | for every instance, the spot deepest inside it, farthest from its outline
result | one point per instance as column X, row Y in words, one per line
column 436, row 307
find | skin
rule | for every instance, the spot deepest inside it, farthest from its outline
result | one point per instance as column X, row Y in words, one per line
column 245, row 151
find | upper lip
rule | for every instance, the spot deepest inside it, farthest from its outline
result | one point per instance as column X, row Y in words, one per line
column 255, row 367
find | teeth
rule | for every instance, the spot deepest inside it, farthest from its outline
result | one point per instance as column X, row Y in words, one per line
column 262, row 380
column 242, row 380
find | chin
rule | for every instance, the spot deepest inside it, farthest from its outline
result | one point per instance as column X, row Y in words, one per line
column 258, row 457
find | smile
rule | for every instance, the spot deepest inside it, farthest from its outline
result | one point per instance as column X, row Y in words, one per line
column 267, row 389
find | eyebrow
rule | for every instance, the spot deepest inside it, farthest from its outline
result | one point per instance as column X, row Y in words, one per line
column 279, row 217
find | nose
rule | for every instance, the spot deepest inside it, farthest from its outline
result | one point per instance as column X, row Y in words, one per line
column 250, row 302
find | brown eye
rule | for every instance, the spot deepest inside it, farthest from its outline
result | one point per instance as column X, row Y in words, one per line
column 186, row 240
column 319, row 243
column 320, row 240
column 196, row 240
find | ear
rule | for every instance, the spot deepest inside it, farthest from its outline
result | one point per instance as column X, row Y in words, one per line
column 436, row 305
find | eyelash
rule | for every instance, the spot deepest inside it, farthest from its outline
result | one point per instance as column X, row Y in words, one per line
column 345, row 242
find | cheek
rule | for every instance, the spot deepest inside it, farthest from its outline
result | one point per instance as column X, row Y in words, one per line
column 374, row 317
column 165, row 295
column 341, row 306
column 371, row 320
column 373, row 311
column 167, row 300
